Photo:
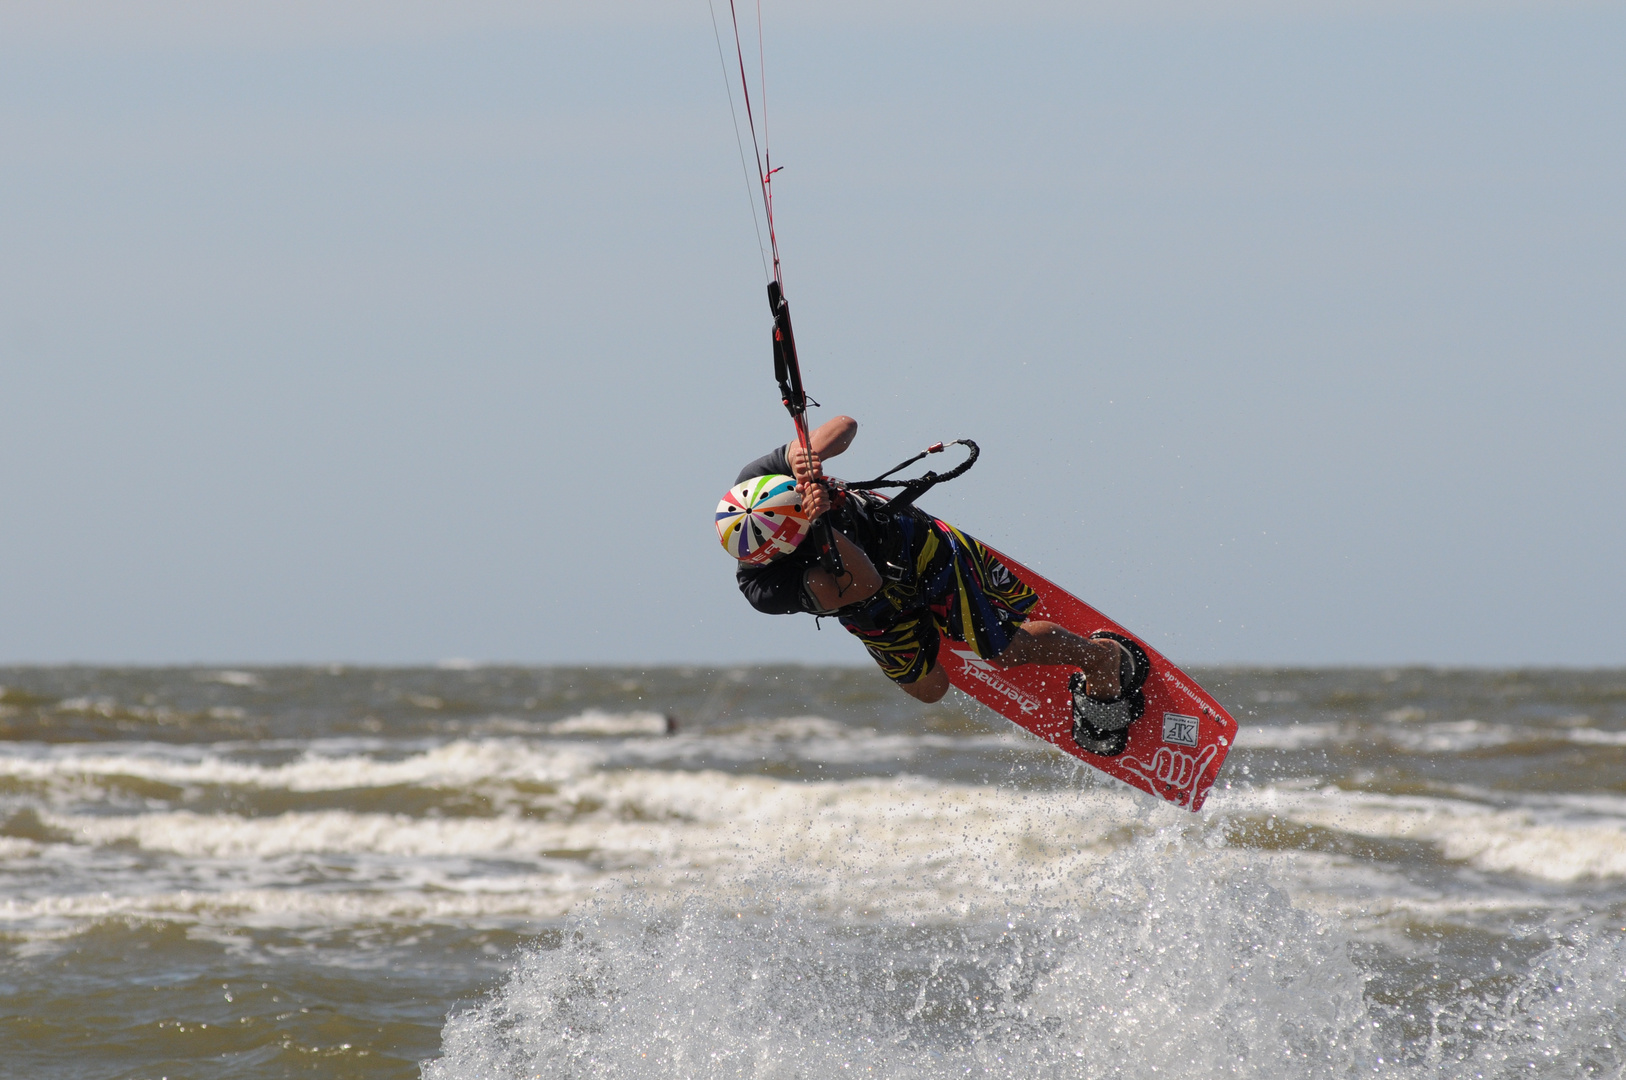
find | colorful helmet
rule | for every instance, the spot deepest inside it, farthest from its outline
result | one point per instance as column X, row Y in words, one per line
column 761, row 519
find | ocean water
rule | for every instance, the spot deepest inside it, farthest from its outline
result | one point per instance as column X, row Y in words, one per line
column 799, row 872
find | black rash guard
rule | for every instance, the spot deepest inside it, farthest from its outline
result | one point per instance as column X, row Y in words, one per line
column 774, row 588
column 923, row 563
column 777, row 588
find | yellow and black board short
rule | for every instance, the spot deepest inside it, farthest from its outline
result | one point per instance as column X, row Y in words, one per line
column 958, row 588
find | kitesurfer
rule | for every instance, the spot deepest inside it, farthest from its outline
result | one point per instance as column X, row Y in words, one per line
column 906, row 580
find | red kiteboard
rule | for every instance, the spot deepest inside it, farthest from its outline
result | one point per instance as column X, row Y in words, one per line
column 1175, row 749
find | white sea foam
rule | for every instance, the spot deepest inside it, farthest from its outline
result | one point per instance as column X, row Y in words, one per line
column 104, row 706
column 901, row 845
column 228, row 836
column 1437, row 738
column 1594, row 737
column 529, row 899
column 1441, row 737
column 1548, row 844
column 798, row 729
column 459, row 763
column 480, row 763
column 1167, row 960
column 594, row 722
column 1289, row 737
column 12, row 847
column 1387, row 902
column 1155, row 966
column 1455, row 736
column 811, row 745
column 701, row 815
column 231, row 678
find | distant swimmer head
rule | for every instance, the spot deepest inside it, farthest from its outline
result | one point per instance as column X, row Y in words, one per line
column 761, row 519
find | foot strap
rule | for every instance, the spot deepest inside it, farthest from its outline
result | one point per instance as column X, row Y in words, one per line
column 1102, row 727
column 1133, row 663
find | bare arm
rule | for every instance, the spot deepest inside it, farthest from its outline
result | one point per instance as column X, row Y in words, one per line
column 833, row 436
column 859, row 580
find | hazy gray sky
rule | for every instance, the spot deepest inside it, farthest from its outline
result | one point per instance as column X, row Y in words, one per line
column 398, row 332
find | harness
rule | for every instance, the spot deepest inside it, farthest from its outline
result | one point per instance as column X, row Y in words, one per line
column 875, row 523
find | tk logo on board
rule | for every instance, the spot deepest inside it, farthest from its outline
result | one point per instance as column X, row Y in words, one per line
column 1180, row 730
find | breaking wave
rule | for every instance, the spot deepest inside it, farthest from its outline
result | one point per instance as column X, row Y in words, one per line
column 1168, row 960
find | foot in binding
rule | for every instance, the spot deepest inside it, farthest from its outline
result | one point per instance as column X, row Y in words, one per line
column 1101, row 725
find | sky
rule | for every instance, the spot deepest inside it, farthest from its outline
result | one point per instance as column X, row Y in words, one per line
column 1292, row 333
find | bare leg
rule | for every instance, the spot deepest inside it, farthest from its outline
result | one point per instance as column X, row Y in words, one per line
column 1039, row 642
column 929, row 687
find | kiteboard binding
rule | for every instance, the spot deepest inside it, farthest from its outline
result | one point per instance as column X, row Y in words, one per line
column 1102, row 726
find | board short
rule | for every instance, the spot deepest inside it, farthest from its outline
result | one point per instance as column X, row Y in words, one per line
column 958, row 588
